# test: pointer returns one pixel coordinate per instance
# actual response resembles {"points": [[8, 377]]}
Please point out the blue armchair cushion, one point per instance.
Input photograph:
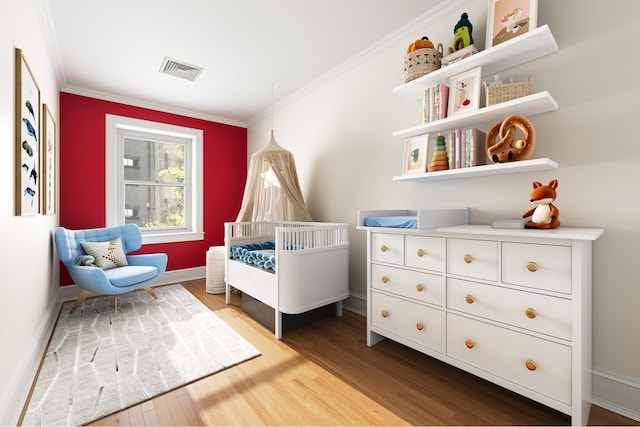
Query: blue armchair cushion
{"points": [[107, 254], [125, 276]]}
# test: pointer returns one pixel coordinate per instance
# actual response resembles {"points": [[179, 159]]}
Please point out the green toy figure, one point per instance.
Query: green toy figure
{"points": [[462, 34]]}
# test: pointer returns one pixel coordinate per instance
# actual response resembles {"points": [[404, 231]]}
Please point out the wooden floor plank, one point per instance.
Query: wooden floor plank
{"points": [[325, 374]]}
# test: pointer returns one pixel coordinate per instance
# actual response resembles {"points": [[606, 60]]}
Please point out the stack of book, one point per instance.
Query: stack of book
{"points": [[435, 103], [466, 148]]}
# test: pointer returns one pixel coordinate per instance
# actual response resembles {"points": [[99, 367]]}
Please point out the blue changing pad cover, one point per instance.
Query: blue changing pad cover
{"points": [[392, 221]]}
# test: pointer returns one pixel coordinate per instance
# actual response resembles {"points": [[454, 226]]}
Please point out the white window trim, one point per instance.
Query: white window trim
{"points": [[115, 181]]}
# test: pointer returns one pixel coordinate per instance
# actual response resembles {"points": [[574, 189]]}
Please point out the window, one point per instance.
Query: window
{"points": [[154, 179]]}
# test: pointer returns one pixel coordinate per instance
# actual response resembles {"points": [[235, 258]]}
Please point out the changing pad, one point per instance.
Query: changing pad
{"points": [[392, 221]]}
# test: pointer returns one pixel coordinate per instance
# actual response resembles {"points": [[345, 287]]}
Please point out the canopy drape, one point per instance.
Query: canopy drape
{"points": [[272, 191]]}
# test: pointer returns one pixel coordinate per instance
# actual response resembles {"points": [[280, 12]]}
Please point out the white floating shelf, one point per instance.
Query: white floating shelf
{"points": [[522, 49], [494, 169], [527, 106]]}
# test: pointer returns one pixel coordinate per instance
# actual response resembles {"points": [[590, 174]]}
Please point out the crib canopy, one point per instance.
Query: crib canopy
{"points": [[272, 191]]}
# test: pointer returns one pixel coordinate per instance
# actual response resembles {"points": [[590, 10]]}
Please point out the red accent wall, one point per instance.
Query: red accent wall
{"points": [[82, 173]]}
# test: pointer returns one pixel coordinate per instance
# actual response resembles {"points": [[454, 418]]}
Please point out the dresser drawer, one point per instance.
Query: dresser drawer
{"points": [[411, 284], [414, 322], [531, 362], [387, 248], [424, 252], [537, 266], [473, 258], [540, 313]]}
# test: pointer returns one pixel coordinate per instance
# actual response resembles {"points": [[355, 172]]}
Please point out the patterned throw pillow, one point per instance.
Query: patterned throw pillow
{"points": [[107, 254]]}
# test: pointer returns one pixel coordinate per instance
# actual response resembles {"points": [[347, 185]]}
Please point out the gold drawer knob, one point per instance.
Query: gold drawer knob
{"points": [[384, 279], [469, 343], [469, 299], [385, 313], [420, 253], [468, 258], [383, 248], [419, 287], [531, 313], [419, 326], [531, 365], [532, 266]]}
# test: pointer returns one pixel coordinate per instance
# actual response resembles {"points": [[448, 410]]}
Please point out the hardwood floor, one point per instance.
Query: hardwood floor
{"points": [[324, 374]]}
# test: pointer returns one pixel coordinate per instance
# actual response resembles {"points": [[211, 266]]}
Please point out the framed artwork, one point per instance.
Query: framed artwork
{"points": [[49, 162], [415, 155], [27, 191], [507, 19], [464, 91]]}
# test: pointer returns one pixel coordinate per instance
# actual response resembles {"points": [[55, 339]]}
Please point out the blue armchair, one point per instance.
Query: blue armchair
{"points": [[141, 271]]}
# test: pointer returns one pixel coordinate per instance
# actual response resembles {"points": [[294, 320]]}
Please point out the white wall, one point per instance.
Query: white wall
{"points": [[339, 131], [29, 289]]}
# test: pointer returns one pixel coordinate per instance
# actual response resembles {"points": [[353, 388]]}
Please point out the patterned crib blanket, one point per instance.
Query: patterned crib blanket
{"points": [[259, 254]]}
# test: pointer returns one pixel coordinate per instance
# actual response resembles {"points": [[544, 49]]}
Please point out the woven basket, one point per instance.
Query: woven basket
{"points": [[420, 62], [507, 92]]}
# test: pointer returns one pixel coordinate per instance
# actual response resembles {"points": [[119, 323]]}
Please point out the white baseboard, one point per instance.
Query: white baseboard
{"points": [[616, 394], [12, 403], [356, 303]]}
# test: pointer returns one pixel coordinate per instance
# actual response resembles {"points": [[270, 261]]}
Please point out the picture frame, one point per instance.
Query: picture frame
{"points": [[49, 162], [464, 91], [416, 152], [27, 128], [508, 19]]}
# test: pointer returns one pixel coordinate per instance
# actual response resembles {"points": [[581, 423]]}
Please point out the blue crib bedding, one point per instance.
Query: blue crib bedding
{"points": [[261, 255], [392, 221]]}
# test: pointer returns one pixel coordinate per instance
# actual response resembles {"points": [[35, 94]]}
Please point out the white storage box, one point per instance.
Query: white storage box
{"points": [[215, 270]]}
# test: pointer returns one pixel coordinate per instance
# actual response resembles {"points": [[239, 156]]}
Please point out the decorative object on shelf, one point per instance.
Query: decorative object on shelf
{"points": [[497, 93], [462, 36], [464, 91], [458, 55], [49, 162], [509, 149], [440, 160], [422, 58], [415, 155], [28, 112], [544, 215], [507, 19]]}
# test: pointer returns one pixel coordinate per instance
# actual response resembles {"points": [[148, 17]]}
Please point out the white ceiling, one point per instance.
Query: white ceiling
{"points": [[113, 49]]}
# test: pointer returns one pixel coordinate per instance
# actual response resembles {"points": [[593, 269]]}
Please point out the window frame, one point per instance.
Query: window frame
{"points": [[114, 177]]}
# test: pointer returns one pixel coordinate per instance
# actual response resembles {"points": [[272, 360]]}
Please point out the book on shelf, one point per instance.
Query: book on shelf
{"points": [[435, 102], [466, 148]]}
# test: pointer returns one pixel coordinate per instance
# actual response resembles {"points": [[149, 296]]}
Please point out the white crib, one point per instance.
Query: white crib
{"points": [[312, 266]]}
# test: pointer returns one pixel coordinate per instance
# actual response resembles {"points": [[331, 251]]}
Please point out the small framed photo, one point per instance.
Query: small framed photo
{"points": [[464, 91], [507, 19], [415, 155]]}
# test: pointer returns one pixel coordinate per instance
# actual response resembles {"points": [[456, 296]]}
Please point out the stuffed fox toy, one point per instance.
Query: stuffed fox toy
{"points": [[545, 214]]}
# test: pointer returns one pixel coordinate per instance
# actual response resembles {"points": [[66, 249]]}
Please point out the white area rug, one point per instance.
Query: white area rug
{"points": [[98, 363]]}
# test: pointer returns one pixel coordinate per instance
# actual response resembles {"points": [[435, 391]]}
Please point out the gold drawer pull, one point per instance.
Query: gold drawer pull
{"points": [[531, 365], [469, 299], [383, 248], [468, 258], [532, 266], [419, 326], [531, 313], [421, 253], [469, 343], [384, 279], [385, 313], [419, 287]]}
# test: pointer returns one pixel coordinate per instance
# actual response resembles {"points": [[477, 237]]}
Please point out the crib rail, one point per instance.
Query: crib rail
{"points": [[290, 235]]}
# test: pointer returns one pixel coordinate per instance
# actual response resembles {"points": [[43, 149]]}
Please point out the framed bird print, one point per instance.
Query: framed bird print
{"points": [[27, 191], [48, 162]]}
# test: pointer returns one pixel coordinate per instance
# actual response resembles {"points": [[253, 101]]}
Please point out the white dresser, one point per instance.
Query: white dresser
{"points": [[510, 306]]}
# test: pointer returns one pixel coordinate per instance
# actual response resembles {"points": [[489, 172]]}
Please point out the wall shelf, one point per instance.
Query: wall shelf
{"points": [[527, 47], [486, 170], [530, 105]]}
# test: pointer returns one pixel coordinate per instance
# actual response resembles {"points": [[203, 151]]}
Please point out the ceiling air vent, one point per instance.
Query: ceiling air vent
{"points": [[180, 69]]}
